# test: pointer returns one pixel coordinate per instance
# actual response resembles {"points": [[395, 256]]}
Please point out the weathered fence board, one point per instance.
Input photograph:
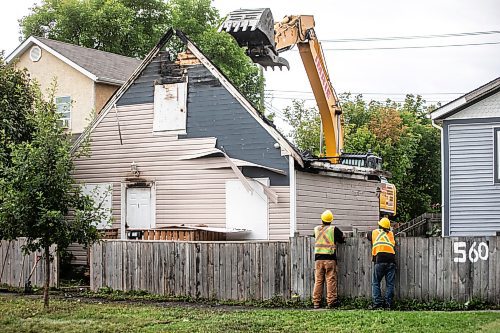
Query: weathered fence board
{"points": [[15, 266], [262, 270]]}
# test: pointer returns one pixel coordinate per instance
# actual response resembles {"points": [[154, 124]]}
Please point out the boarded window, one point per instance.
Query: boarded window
{"points": [[496, 162], [170, 108], [245, 210], [63, 108], [101, 193]]}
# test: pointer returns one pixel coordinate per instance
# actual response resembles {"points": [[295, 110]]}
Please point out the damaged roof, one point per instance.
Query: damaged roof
{"points": [[100, 66], [284, 143]]}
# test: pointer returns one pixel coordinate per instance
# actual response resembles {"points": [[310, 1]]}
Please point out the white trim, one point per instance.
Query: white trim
{"points": [[123, 209], [123, 205], [293, 196], [20, 49], [448, 108], [244, 102], [442, 176]]}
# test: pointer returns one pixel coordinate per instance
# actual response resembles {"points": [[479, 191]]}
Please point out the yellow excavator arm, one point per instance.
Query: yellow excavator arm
{"points": [[299, 30], [264, 40]]}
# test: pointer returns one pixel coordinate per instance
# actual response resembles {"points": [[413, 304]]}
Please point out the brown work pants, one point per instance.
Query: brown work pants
{"points": [[328, 269]]}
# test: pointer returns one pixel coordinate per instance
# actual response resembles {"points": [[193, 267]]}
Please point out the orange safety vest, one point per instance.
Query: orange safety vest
{"points": [[382, 242], [325, 239]]}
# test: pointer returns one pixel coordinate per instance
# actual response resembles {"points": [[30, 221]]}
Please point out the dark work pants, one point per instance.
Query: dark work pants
{"points": [[381, 270]]}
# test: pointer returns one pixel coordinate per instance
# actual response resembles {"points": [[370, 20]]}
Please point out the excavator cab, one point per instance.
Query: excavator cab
{"points": [[254, 30]]}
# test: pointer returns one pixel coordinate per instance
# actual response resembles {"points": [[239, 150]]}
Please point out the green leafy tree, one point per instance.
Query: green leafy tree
{"points": [[133, 27], [400, 133], [306, 126], [39, 198]]}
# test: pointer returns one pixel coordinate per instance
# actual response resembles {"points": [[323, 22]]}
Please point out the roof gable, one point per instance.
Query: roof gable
{"points": [[98, 65], [285, 145], [466, 100]]}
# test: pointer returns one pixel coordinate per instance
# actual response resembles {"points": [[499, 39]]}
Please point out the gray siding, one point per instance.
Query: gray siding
{"points": [[214, 112], [472, 199], [354, 203]]}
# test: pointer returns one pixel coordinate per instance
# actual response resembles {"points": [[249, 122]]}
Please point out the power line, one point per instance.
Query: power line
{"points": [[367, 93], [410, 47], [373, 39]]}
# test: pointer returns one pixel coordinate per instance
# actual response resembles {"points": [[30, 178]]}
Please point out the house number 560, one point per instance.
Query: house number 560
{"points": [[475, 252]]}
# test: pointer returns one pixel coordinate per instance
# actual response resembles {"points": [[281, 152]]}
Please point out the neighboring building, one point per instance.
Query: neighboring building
{"points": [[179, 145], [470, 158], [86, 78]]}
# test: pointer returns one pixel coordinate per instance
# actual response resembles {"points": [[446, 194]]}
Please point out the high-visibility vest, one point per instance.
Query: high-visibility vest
{"points": [[382, 242], [325, 239]]}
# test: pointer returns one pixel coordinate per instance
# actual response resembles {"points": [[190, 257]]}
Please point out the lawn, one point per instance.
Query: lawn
{"points": [[21, 314]]}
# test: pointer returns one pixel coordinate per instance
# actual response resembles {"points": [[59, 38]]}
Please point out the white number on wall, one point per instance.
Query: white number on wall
{"points": [[476, 253]]}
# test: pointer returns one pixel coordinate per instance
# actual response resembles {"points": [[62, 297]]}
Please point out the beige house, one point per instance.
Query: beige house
{"points": [[178, 145], [86, 78]]}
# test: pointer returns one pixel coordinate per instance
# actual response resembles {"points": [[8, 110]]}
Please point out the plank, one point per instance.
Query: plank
{"points": [[497, 269], [246, 271], [240, 271], [217, 275], [299, 272], [226, 271], [419, 258], [432, 275], [447, 266], [439, 268], [258, 272], [484, 266], [271, 265], [266, 293]]}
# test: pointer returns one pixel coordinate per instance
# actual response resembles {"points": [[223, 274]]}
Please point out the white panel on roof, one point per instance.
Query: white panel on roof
{"points": [[170, 108]]}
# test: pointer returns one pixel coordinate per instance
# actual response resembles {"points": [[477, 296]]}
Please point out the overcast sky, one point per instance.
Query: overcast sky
{"points": [[378, 74]]}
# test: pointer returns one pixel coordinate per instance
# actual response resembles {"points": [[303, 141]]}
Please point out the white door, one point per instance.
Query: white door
{"points": [[139, 207], [245, 210]]}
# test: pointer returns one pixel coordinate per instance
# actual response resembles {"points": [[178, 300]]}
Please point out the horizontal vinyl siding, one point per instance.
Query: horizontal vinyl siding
{"points": [[354, 203], [474, 199], [188, 191], [279, 214]]}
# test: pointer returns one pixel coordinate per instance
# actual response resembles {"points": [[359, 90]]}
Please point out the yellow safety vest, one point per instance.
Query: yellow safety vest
{"points": [[325, 239], [382, 242]]}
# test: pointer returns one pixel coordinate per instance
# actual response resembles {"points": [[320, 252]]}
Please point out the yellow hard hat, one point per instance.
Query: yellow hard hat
{"points": [[384, 223], [327, 216]]}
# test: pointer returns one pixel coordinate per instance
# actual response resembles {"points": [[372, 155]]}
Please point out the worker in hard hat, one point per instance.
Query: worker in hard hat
{"points": [[384, 258], [325, 256]]}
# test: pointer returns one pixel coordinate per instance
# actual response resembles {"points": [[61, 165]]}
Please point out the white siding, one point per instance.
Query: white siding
{"points": [[354, 203], [187, 191], [486, 108], [474, 199]]}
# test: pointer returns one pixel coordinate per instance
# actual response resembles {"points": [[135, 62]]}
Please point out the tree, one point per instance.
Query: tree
{"points": [[39, 198], [400, 133], [306, 126], [133, 27]]}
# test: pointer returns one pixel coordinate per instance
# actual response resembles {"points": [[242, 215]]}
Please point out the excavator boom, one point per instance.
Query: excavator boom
{"points": [[263, 39]]}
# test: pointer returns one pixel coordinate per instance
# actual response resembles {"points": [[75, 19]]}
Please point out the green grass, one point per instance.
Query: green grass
{"points": [[22, 314]]}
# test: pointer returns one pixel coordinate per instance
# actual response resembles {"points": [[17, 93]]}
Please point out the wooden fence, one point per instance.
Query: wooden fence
{"points": [[15, 266], [428, 268]]}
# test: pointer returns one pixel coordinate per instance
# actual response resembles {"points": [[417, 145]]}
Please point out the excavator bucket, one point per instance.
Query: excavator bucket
{"points": [[254, 29]]}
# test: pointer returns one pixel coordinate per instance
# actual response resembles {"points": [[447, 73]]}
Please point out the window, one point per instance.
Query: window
{"points": [[170, 108], [101, 194], [496, 162], [63, 107]]}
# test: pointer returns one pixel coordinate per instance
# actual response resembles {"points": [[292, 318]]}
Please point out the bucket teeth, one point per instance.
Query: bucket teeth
{"points": [[254, 29]]}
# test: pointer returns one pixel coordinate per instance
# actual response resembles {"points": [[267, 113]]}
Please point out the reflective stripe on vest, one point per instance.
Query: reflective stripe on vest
{"points": [[382, 242], [325, 240]]}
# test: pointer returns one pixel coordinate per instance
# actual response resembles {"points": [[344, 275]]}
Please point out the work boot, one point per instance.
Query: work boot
{"points": [[333, 305], [375, 307]]}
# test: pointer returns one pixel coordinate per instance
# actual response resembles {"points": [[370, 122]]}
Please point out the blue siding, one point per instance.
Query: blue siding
{"points": [[214, 112]]}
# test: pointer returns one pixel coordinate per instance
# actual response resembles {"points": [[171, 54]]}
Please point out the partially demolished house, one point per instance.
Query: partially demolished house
{"points": [[179, 147]]}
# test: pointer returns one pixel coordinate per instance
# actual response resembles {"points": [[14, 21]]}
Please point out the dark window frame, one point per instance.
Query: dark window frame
{"points": [[496, 154]]}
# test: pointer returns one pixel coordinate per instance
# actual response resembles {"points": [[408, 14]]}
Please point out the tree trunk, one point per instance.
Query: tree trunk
{"points": [[47, 278]]}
